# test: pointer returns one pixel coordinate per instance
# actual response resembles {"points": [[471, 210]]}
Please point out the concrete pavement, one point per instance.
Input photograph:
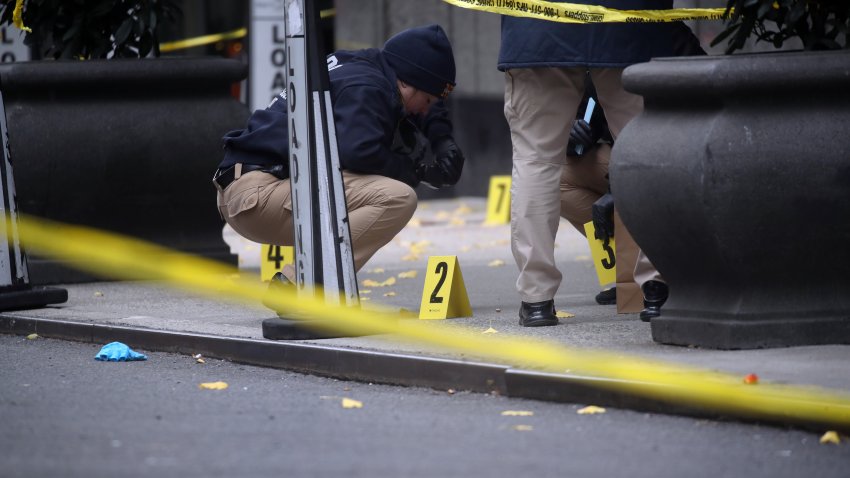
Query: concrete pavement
{"points": [[150, 316]]}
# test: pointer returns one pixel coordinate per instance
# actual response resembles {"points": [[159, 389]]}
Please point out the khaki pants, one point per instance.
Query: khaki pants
{"points": [[583, 181], [645, 271], [540, 107], [259, 207]]}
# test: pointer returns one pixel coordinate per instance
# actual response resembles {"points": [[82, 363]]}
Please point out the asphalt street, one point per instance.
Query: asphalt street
{"points": [[65, 414]]}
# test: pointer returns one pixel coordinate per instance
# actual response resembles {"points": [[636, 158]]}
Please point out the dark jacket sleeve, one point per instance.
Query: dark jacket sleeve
{"points": [[365, 123], [436, 123], [264, 141]]}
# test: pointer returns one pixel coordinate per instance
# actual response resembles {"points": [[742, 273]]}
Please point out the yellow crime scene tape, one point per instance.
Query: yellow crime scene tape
{"points": [[167, 47], [122, 257], [580, 13], [202, 40]]}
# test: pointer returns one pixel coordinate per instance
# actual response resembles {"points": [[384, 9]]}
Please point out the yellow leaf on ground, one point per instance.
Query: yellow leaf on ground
{"points": [[351, 403], [442, 215], [462, 209], [564, 315], [456, 221], [523, 428], [410, 258], [414, 222], [98, 294], [377, 270], [213, 386], [364, 299], [389, 294], [374, 283], [496, 263], [830, 437], [490, 330], [408, 274], [517, 413], [365, 291], [32, 336], [591, 410]]}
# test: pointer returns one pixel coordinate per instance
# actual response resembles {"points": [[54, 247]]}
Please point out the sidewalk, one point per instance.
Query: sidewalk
{"points": [[149, 316]]}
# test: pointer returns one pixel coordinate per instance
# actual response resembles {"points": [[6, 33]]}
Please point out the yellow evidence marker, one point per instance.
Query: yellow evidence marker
{"points": [[603, 256], [444, 295], [273, 258], [499, 200]]}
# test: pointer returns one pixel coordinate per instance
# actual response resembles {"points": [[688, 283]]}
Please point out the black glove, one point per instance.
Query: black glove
{"points": [[447, 166], [582, 134], [603, 217]]}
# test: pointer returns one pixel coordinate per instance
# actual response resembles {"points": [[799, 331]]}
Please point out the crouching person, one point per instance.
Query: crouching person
{"points": [[388, 111]]}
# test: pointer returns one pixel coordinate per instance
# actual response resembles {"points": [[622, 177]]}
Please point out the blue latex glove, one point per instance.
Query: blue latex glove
{"points": [[118, 352]]}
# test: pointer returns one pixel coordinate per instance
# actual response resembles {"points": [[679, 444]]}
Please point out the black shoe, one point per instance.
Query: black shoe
{"points": [[654, 296], [607, 296], [277, 283], [537, 314]]}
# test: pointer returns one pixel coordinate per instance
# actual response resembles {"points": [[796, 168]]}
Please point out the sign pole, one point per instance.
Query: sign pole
{"points": [[323, 253], [15, 289]]}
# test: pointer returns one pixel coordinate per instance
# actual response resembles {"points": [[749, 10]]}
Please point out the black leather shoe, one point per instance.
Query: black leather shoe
{"points": [[607, 296], [537, 314], [277, 283], [654, 296]]}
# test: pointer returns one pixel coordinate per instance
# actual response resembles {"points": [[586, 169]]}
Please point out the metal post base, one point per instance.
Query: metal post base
{"points": [[31, 298]]}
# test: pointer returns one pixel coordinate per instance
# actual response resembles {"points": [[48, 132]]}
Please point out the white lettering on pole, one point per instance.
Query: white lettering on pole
{"points": [[267, 76]]}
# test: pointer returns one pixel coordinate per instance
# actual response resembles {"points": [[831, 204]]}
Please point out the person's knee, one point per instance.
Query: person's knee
{"points": [[402, 200]]}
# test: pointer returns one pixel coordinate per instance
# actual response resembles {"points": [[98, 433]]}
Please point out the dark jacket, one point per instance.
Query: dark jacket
{"points": [[531, 43], [367, 111]]}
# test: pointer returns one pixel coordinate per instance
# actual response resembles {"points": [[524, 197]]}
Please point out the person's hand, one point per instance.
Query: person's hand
{"points": [[603, 217], [582, 134], [447, 166], [410, 142]]}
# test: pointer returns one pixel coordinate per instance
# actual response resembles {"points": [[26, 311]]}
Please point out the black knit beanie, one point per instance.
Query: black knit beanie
{"points": [[423, 58]]}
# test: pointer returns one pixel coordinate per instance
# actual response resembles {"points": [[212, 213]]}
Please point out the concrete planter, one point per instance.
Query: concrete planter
{"points": [[736, 183], [123, 145]]}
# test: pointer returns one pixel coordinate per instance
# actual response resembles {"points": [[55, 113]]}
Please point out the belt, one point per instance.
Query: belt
{"points": [[223, 177]]}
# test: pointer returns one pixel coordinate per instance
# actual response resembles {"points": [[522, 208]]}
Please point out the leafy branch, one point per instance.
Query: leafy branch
{"points": [[91, 28]]}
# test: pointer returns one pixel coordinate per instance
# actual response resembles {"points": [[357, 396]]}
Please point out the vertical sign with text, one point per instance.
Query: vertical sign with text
{"points": [[12, 46], [267, 52]]}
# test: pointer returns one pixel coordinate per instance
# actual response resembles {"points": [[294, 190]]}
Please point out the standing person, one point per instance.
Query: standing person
{"points": [[652, 285], [584, 179], [544, 64], [388, 109]]}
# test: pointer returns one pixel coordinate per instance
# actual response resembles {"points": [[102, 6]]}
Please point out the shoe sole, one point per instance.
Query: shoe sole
{"points": [[538, 323], [606, 302], [648, 317]]}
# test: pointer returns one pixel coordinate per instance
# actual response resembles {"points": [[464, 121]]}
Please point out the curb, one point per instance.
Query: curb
{"points": [[383, 368]]}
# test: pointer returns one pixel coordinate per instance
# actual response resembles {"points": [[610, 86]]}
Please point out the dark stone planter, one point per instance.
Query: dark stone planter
{"points": [[123, 145], [736, 183]]}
